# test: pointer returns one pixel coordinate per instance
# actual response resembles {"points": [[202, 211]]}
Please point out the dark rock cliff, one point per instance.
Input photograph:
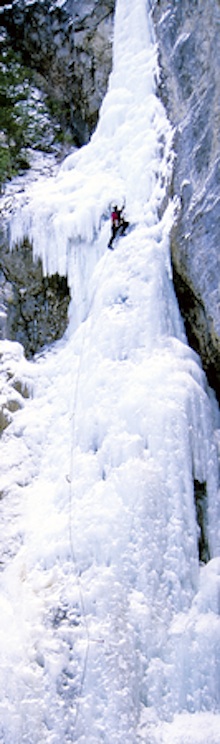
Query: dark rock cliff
{"points": [[33, 308], [69, 47], [188, 33]]}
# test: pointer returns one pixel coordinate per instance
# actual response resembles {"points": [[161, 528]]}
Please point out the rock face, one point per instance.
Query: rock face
{"points": [[188, 34], [33, 309], [69, 45]]}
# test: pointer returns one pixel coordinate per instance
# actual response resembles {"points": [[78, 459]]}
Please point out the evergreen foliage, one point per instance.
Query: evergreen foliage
{"points": [[24, 119], [14, 91]]}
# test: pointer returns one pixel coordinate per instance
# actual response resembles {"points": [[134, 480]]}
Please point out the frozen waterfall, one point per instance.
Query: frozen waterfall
{"points": [[109, 624]]}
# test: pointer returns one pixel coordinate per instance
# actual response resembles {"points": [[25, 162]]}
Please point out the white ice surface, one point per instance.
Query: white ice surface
{"points": [[109, 627]]}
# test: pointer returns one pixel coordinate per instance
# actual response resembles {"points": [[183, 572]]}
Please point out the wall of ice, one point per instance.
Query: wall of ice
{"points": [[117, 634]]}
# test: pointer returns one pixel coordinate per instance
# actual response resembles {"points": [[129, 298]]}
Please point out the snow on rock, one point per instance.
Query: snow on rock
{"points": [[112, 626]]}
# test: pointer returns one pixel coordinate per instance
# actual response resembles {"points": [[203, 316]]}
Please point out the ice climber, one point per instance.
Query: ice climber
{"points": [[118, 223]]}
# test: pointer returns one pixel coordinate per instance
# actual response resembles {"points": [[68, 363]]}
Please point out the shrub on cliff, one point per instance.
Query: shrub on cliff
{"points": [[24, 119]]}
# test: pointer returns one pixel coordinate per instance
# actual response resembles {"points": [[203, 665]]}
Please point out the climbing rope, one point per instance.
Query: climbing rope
{"points": [[69, 478], [75, 389]]}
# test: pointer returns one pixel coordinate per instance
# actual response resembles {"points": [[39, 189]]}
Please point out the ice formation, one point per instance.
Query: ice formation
{"points": [[109, 624]]}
